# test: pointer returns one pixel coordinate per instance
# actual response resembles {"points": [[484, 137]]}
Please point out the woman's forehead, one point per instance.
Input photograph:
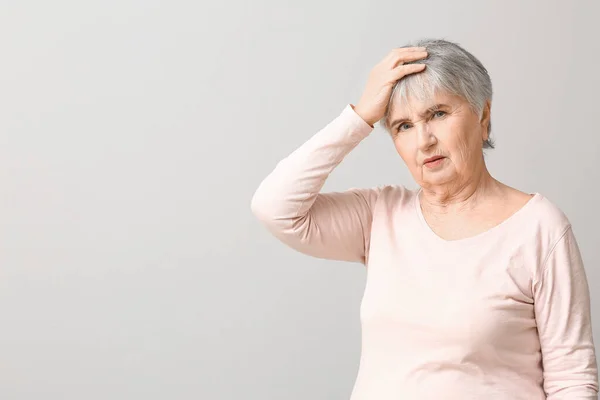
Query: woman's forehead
{"points": [[411, 105]]}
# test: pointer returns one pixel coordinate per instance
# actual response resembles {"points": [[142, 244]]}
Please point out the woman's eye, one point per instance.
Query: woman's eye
{"points": [[400, 127], [438, 114]]}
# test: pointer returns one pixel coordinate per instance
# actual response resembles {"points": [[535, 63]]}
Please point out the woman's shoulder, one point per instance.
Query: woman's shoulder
{"points": [[545, 218], [389, 191], [396, 192], [547, 209], [533, 209], [395, 197]]}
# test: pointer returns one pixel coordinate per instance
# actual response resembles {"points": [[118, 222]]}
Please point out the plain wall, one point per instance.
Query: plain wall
{"points": [[134, 133]]}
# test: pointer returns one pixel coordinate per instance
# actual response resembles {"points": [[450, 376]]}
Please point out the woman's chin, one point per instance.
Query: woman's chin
{"points": [[438, 177]]}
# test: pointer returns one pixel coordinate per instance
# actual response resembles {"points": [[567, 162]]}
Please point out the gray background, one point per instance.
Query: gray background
{"points": [[134, 133]]}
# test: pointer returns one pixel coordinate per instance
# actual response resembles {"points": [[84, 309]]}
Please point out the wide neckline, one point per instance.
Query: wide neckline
{"points": [[472, 239]]}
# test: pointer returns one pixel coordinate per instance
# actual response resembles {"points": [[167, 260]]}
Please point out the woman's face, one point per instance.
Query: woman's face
{"points": [[443, 126]]}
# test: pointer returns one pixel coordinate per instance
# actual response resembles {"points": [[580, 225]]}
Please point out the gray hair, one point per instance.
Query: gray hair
{"points": [[450, 68]]}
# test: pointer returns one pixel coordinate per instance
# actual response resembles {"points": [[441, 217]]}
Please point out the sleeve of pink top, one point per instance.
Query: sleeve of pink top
{"points": [[563, 316], [334, 225]]}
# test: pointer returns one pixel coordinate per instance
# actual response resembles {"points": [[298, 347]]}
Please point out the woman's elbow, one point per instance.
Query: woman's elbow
{"points": [[271, 212], [258, 206]]}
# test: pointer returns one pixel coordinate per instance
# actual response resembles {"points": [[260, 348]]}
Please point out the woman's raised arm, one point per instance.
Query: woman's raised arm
{"points": [[288, 201]]}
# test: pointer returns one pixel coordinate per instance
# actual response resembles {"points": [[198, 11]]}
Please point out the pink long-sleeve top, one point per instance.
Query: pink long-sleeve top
{"points": [[501, 315]]}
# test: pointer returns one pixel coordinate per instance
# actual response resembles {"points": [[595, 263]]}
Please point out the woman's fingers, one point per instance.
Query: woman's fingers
{"points": [[394, 53], [402, 70], [373, 102], [407, 56]]}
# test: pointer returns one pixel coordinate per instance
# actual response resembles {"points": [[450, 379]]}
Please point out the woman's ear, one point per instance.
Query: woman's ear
{"points": [[485, 118]]}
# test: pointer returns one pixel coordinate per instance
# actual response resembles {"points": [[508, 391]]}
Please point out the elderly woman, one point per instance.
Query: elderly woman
{"points": [[475, 290]]}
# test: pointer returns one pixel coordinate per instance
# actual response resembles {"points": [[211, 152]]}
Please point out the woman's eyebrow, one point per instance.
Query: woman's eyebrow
{"points": [[431, 109]]}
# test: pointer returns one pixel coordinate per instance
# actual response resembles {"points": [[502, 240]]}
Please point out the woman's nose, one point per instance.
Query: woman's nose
{"points": [[425, 136]]}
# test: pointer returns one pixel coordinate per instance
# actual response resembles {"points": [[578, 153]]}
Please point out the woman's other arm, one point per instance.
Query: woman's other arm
{"points": [[563, 315]]}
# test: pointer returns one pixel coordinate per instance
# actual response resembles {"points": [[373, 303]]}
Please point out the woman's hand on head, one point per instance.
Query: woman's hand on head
{"points": [[376, 95]]}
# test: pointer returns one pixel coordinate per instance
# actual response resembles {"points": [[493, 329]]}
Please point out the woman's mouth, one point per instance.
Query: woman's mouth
{"points": [[434, 161]]}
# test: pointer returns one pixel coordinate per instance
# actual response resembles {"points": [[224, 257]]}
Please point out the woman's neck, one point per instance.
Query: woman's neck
{"points": [[460, 197]]}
